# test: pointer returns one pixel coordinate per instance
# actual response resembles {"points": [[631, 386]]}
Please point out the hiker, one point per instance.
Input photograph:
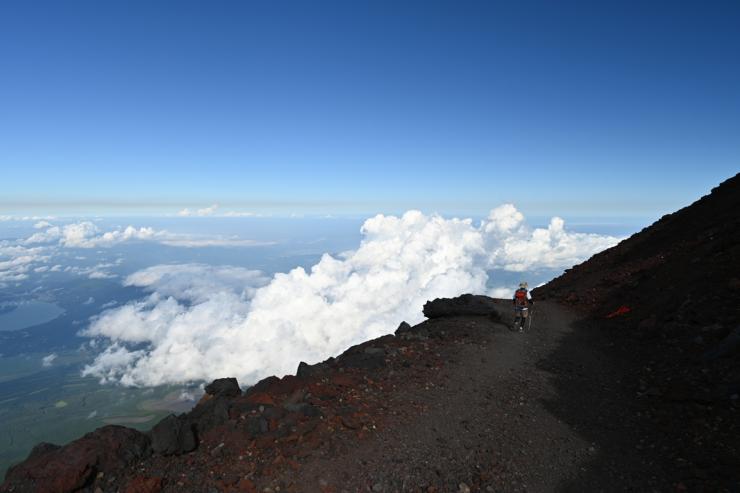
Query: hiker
{"points": [[522, 301]]}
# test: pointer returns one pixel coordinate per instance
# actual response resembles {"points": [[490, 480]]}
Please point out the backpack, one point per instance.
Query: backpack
{"points": [[520, 297]]}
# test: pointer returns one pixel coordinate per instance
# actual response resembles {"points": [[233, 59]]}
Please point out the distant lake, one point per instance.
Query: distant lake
{"points": [[27, 314]]}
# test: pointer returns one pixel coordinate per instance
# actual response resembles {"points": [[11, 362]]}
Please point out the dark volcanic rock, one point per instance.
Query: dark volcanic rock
{"points": [[306, 371], [209, 414], [726, 346], [467, 304], [173, 435], [54, 469], [176, 435], [363, 356], [227, 387], [263, 384], [367, 361], [403, 328]]}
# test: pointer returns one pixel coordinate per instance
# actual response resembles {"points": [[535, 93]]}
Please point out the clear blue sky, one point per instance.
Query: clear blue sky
{"points": [[590, 108]]}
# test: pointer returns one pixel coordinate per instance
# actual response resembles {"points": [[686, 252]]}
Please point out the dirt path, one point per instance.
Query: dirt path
{"points": [[495, 419]]}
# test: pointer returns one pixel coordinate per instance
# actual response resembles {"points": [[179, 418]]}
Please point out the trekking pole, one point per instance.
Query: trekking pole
{"points": [[529, 322]]}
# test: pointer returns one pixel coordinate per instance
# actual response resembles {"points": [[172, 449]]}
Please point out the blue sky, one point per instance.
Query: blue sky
{"points": [[572, 108]]}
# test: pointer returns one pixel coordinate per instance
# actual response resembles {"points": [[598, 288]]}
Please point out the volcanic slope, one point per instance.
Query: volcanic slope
{"points": [[667, 303]]}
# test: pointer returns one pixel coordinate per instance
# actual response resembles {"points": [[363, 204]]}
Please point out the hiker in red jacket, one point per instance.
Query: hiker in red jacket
{"points": [[522, 301]]}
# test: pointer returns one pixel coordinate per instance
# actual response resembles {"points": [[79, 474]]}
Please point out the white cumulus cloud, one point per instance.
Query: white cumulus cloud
{"points": [[202, 322], [515, 247], [86, 234], [16, 261]]}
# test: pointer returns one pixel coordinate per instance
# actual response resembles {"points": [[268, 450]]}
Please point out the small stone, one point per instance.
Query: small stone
{"points": [[217, 450], [246, 486], [377, 487], [351, 423], [463, 488]]}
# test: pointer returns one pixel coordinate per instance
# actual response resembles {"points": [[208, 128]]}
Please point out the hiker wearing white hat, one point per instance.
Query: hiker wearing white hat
{"points": [[522, 301]]}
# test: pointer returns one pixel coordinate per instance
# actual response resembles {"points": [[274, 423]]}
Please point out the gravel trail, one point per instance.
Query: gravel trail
{"points": [[493, 419]]}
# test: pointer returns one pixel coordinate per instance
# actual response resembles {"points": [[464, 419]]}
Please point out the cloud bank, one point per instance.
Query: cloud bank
{"points": [[86, 234], [206, 211], [20, 257], [201, 322], [212, 211], [16, 261], [25, 218]]}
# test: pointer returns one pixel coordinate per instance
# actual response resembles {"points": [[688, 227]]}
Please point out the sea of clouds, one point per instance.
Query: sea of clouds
{"points": [[20, 258], [201, 322]]}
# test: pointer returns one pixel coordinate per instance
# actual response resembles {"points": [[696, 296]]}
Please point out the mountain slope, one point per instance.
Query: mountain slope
{"points": [[667, 303], [684, 270]]}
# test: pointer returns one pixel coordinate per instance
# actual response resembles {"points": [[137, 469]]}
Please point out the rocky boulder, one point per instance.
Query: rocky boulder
{"points": [[176, 435], [465, 305], [307, 371], [53, 469], [367, 356], [173, 435], [227, 387]]}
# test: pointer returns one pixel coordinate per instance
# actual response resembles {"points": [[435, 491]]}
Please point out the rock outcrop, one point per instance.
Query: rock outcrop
{"points": [[465, 305], [53, 469]]}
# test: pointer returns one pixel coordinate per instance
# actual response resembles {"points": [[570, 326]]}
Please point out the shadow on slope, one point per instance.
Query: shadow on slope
{"points": [[651, 373]]}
